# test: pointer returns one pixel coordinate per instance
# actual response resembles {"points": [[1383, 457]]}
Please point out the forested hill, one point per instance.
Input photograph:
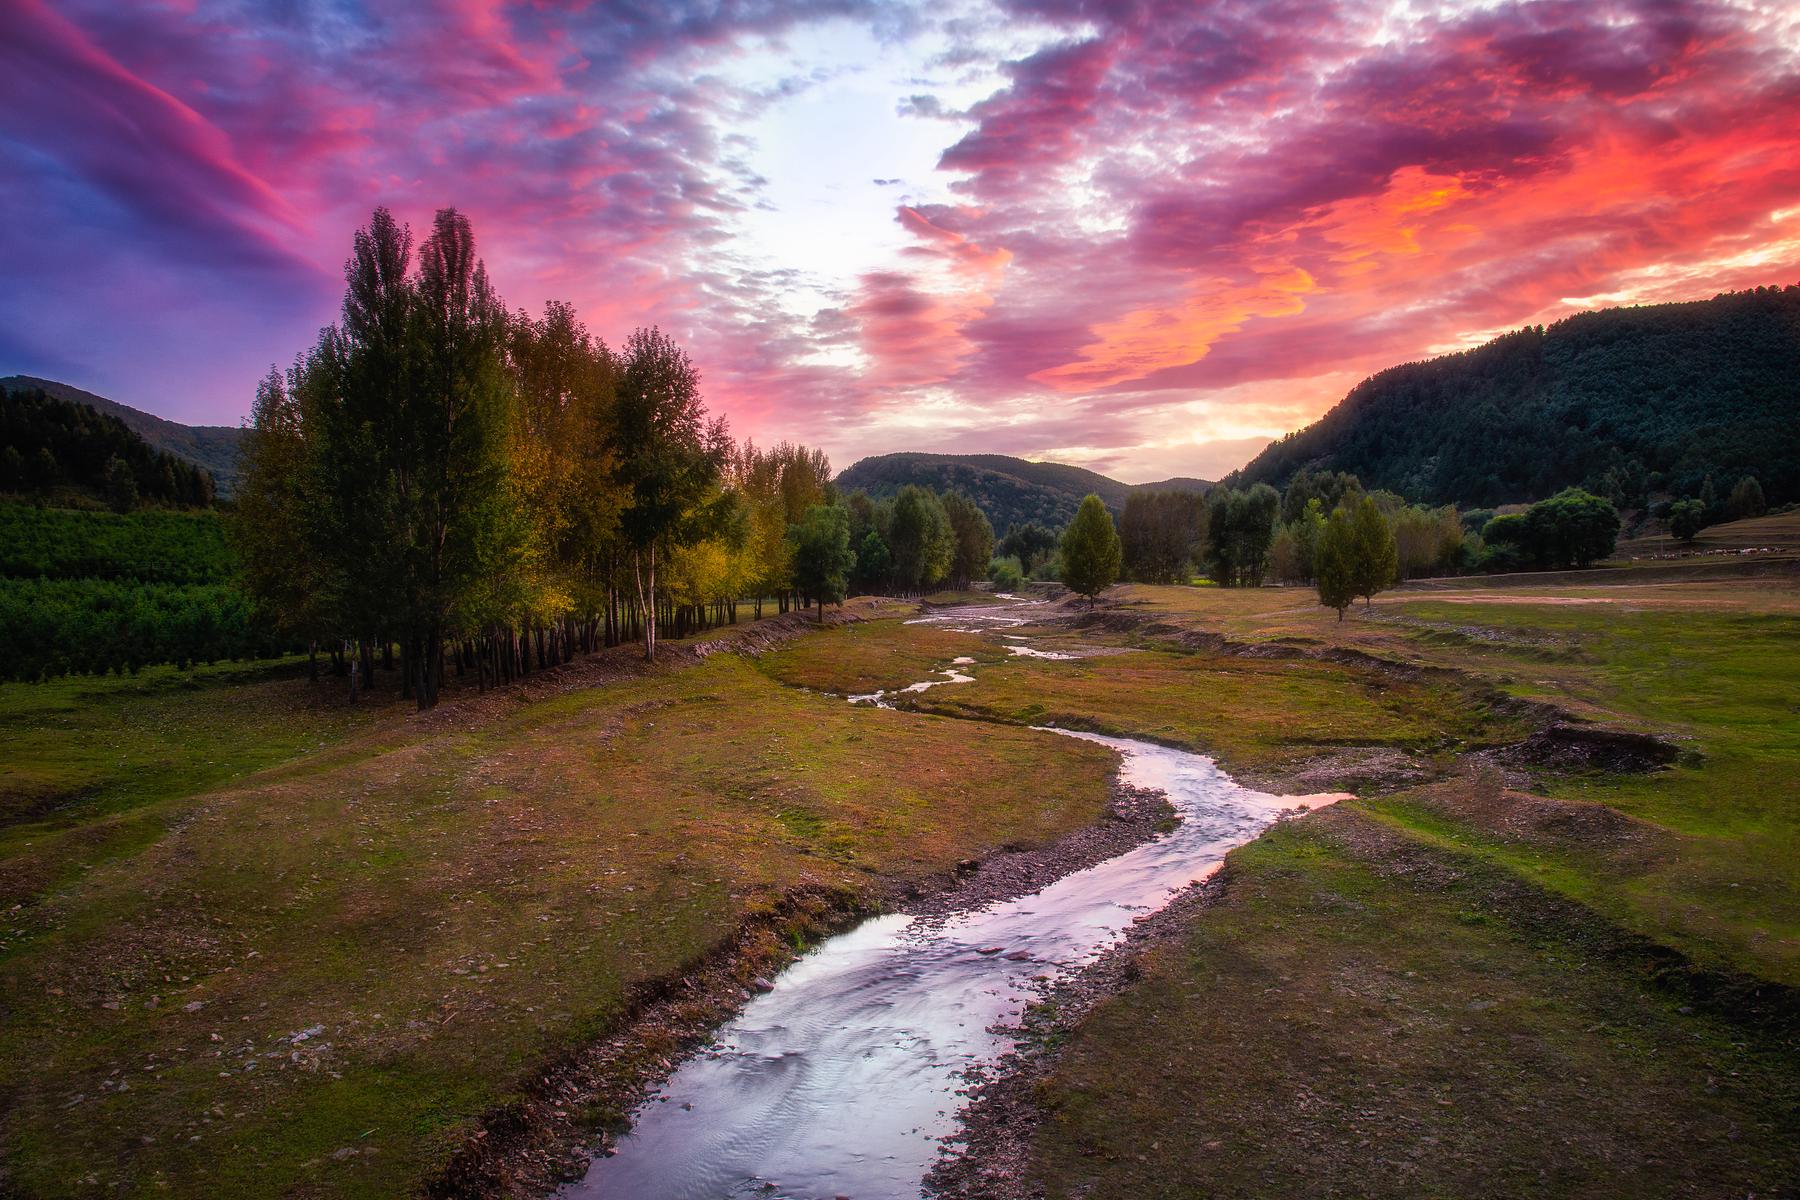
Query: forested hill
{"points": [[54, 448], [1009, 490], [214, 447], [1621, 401]]}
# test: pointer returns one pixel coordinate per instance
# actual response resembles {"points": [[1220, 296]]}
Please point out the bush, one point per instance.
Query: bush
{"points": [[1006, 574]]}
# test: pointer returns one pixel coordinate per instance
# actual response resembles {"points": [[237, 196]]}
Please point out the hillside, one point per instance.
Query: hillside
{"points": [[1622, 401], [65, 451], [1009, 490], [214, 447]]}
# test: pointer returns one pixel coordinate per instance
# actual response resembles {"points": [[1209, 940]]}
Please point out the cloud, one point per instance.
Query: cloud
{"points": [[1134, 230]]}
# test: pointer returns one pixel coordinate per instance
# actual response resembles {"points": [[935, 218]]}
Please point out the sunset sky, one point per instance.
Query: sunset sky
{"points": [[1140, 236]]}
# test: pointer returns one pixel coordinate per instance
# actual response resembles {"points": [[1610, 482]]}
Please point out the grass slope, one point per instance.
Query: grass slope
{"points": [[313, 979], [1493, 984]]}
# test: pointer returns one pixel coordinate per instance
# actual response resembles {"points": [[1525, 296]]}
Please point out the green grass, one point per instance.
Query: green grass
{"points": [[94, 765], [1257, 715], [1725, 885], [452, 901], [870, 656], [1357, 1017]]}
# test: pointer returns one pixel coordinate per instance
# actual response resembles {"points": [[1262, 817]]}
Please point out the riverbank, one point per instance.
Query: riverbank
{"points": [[1515, 973], [319, 976], [536, 1143]]}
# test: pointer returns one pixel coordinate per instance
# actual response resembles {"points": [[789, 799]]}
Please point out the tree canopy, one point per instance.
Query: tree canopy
{"points": [[1090, 550], [1617, 402]]}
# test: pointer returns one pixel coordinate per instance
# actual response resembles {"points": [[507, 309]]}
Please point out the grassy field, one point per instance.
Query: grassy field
{"points": [[257, 942], [1358, 1016], [311, 978], [1473, 985]]}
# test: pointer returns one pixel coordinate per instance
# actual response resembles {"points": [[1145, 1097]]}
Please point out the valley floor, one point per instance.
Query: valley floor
{"points": [[255, 942]]}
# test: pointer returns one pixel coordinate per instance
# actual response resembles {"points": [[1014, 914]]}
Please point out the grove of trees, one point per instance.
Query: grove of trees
{"points": [[1162, 534], [492, 492]]}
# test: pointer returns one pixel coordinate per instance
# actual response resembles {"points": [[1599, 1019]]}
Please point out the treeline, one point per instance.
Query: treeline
{"points": [[491, 493], [1627, 404], [1324, 530], [917, 540], [48, 444]]}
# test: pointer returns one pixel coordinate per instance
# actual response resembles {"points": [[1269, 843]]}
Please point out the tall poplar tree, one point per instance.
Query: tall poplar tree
{"points": [[670, 458]]}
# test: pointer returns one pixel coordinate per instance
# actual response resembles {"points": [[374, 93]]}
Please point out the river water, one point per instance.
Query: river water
{"points": [[844, 1079]]}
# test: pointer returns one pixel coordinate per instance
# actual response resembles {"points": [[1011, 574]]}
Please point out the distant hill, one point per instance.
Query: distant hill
{"points": [[1009, 490], [1622, 401], [214, 447], [66, 452]]}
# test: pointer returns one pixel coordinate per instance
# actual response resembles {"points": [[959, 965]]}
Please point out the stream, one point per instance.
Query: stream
{"points": [[843, 1080]]}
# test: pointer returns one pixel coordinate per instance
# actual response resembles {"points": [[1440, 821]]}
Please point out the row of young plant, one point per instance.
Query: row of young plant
{"points": [[54, 627], [90, 592]]}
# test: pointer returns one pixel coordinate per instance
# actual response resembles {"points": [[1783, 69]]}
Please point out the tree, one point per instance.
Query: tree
{"points": [[974, 539], [1373, 555], [1686, 519], [460, 535], [1570, 529], [1159, 534], [874, 566], [1005, 574], [1335, 562], [1746, 499], [1240, 528], [1090, 550], [1030, 543], [268, 523], [920, 539], [1326, 488], [45, 470], [121, 485], [822, 557], [1429, 540], [669, 457]]}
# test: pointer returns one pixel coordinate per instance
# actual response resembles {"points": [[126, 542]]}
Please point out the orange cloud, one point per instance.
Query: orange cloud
{"points": [[1147, 340]]}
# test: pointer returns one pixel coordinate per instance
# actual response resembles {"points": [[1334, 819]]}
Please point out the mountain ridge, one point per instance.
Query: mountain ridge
{"points": [[215, 447], [1010, 490], [1627, 402]]}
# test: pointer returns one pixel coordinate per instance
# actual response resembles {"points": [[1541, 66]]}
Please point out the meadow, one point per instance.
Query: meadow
{"points": [[258, 941]]}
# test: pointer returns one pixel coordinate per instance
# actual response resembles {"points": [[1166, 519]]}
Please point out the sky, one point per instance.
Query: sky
{"points": [[1144, 236]]}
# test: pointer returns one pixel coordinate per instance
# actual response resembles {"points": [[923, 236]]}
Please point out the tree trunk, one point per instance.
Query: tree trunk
{"points": [[645, 574]]}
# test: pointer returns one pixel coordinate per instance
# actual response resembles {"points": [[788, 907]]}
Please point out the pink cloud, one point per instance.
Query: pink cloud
{"points": [[1167, 215]]}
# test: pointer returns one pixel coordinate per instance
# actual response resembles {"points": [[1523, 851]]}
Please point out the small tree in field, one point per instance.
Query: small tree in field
{"points": [[1375, 555], [1090, 550], [1334, 562], [822, 555]]}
